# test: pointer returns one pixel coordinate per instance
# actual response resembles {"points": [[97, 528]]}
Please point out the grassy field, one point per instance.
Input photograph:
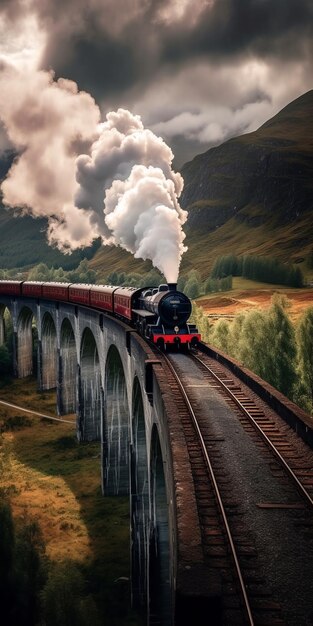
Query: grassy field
{"points": [[248, 294], [52, 479]]}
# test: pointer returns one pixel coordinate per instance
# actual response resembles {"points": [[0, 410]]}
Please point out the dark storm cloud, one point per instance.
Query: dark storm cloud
{"points": [[105, 59], [98, 65], [108, 46], [262, 27], [197, 71]]}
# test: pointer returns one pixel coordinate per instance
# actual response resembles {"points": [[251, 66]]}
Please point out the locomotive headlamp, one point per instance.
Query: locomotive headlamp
{"points": [[176, 328]]}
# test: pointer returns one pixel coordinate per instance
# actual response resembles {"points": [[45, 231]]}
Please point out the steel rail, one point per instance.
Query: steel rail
{"points": [[217, 493], [281, 459]]}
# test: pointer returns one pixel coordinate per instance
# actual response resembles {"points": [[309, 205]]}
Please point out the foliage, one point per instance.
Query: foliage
{"points": [[30, 573], [82, 274], [265, 269], [227, 265], [266, 343], [213, 285], [304, 334], [236, 334], [192, 288], [191, 283], [133, 279], [281, 347], [22, 569], [15, 422], [64, 601], [181, 283], [251, 348], [220, 336], [200, 319]]}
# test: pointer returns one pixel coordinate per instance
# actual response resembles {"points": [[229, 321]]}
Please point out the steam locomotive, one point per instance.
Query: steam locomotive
{"points": [[159, 314]]}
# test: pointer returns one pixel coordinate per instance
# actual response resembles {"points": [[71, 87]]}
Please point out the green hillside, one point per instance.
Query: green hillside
{"points": [[23, 243]]}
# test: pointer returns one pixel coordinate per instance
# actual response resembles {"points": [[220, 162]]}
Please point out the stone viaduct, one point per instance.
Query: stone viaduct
{"points": [[105, 373]]}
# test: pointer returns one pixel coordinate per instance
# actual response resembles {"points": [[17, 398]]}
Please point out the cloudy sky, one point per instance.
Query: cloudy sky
{"points": [[197, 71]]}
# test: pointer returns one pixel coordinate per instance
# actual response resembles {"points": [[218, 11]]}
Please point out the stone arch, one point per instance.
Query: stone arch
{"points": [[115, 455], [48, 353], [6, 324], [66, 390], [7, 340], [89, 390], [27, 338], [160, 592], [139, 485]]}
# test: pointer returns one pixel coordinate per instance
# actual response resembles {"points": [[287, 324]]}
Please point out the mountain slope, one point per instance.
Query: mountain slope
{"points": [[254, 193]]}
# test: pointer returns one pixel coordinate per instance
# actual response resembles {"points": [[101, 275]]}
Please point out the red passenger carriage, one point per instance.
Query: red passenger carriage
{"points": [[79, 293], [124, 301], [32, 288], [10, 287], [55, 291], [101, 297]]}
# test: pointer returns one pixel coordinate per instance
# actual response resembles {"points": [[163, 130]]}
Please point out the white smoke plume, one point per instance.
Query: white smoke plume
{"points": [[112, 180], [50, 123]]}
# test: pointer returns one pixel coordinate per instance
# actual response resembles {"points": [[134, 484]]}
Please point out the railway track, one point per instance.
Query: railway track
{"points": [[245, 489], [251, 414]]}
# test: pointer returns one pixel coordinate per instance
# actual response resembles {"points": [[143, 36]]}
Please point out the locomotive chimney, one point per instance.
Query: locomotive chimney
{"points": [[172, 286]]}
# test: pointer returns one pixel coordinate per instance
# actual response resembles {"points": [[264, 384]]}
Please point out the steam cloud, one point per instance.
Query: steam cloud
{"points": [[111, 180]]}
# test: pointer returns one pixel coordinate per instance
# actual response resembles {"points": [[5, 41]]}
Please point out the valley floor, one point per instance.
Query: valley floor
{"points": [[247, 294]]}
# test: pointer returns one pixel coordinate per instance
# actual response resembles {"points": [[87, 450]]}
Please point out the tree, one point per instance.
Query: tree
{"points": [[304, 335], [235, 335], [252, 346], [202, 322], [281, 348], [181, 283], [62, 597], [192, 288], [40, 272], [220, 335], [83, 274]]}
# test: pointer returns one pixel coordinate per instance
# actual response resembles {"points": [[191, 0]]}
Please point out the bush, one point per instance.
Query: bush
{"points": [[16, 422], [64, 602]]}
